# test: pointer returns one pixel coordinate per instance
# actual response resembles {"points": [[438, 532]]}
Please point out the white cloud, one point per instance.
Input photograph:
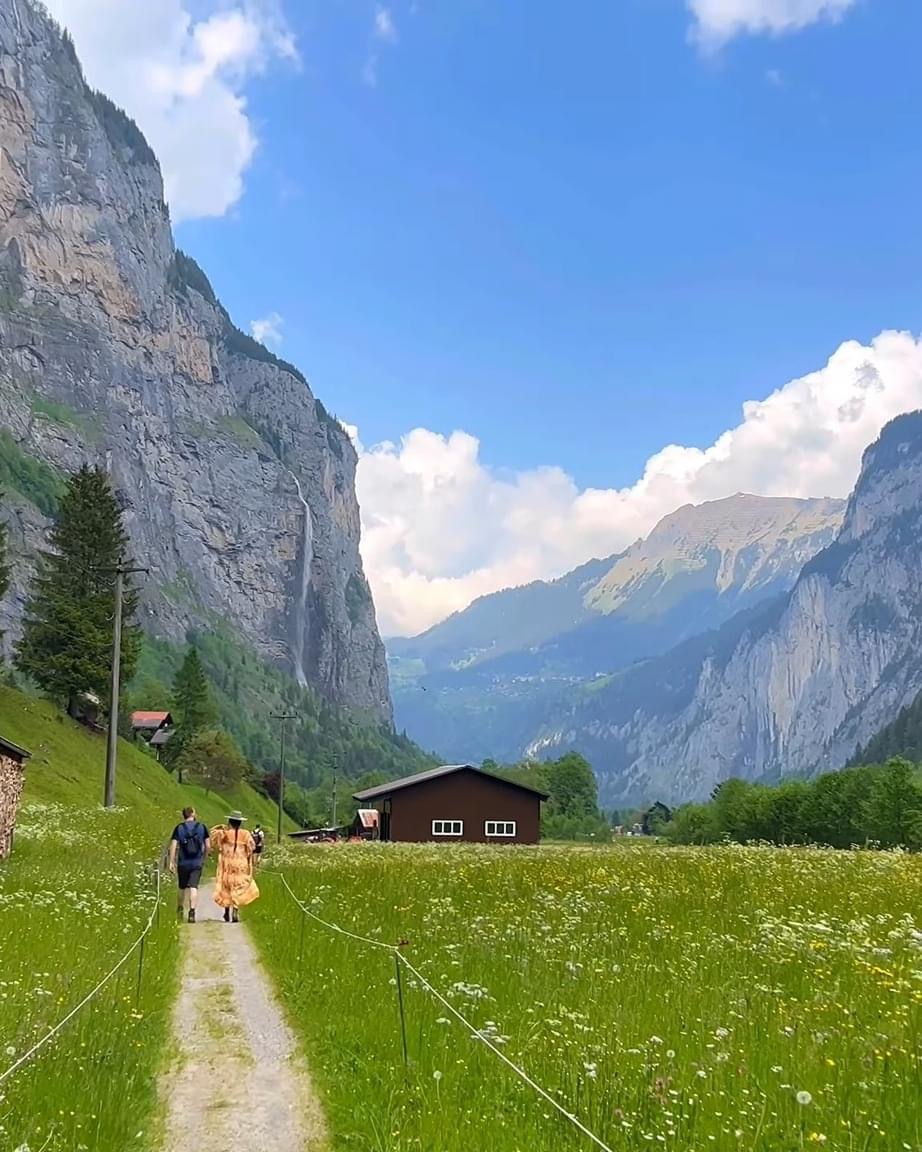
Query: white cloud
{"points": [[440, 528], [717, 21], [184, 80], [384, 32], [268, 331], [385, 28]]}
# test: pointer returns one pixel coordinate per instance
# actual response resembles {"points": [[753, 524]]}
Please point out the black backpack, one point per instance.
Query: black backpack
{"points": [[192, 844]]}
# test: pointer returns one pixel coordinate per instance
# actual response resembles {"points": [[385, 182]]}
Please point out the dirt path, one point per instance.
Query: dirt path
{"points": [[237, 1079]]}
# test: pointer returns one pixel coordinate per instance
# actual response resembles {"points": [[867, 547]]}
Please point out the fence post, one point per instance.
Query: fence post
{"points": [[403, 1019], [137, 994], [301, 941]]}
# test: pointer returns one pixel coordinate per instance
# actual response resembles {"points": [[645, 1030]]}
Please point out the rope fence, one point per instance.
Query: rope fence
{"points": [[476, 1032], [62, 1024]]}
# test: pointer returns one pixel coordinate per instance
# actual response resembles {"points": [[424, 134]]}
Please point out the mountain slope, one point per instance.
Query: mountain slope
{"points": [[793, 688], [68, 761], [474, 685], [238, 487]]}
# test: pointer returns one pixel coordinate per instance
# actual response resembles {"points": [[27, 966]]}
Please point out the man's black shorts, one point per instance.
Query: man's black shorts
{"points": [[188, 877]]}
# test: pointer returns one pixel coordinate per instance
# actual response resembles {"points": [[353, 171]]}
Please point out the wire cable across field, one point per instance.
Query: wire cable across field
{"points": [[476, 1032], [62, 1024]]}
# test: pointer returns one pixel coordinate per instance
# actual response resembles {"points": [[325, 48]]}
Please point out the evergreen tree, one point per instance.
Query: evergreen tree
{"points": [[4, 554], [66, 646], [192, 705], [193, 709]]}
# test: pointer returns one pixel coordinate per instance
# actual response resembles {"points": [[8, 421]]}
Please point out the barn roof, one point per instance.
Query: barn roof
{"points": [[368, 817], [13, 750], [435, 774], [161, 736], [149, 719]]}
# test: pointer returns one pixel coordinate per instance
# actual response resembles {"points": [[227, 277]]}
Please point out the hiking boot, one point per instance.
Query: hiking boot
{"points": [[191, 915], [227, 915], [235, 916], [180, 914]]}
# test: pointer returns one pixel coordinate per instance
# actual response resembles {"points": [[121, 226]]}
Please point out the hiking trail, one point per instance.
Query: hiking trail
{"points": [[236, 1077]]}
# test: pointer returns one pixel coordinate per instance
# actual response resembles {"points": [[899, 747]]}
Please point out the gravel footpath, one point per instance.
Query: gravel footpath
{"points": [[237, 1078]]}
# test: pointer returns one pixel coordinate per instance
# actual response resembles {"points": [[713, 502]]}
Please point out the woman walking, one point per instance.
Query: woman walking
{"points": [[234, 883]]}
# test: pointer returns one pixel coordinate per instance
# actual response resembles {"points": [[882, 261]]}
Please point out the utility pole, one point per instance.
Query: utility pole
{"points": [[334, 797], [284, 717], [120, 572]]}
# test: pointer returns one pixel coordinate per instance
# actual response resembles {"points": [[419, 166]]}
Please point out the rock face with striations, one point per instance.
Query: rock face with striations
{"points": [[238, 487], [791, 687]]}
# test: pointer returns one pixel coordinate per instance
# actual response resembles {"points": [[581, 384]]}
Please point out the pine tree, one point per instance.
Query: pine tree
{"points": [[66, 646], [192, 707], [4, 554]]}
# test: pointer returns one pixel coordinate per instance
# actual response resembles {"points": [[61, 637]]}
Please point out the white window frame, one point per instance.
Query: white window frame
{"points": [[495, 825], [457, 827]]}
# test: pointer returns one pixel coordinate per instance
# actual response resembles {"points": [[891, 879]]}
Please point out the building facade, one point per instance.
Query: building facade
{"points": [[457, 803], [12, 777]]}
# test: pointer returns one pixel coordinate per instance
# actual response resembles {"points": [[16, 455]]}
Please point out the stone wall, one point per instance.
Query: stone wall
{"points": [[12, 775]]}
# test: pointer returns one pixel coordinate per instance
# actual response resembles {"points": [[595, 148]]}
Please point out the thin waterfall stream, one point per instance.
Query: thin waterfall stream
{"points": [[301, 609]]}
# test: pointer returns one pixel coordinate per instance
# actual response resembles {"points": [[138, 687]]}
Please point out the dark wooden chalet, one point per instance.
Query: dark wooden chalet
{"points": [[456, 803]]}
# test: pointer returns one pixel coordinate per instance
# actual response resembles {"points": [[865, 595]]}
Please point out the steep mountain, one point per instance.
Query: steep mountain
{"points": [[792, 687], [475, 684], [238, 487]]}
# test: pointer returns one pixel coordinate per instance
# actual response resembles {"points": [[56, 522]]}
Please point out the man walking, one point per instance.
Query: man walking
{"points": [[189, 848]]}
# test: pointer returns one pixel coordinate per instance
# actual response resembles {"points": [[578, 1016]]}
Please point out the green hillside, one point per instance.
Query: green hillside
{"points": [[68, 764]]}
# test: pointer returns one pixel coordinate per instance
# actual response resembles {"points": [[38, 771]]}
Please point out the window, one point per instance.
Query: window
{"points": [[447, 827], [500, 828]]}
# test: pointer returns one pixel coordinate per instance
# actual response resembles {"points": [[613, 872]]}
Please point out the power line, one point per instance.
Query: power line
{"points": [[283, 717]]}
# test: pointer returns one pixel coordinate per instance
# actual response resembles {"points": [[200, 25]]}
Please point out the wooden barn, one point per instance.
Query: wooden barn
{"points": [[456, 803], [12, 776], [147, 725]]}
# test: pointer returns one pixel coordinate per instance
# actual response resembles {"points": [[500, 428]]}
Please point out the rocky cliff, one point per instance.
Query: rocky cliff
{"points": [[238, 487], [792, 687], [493, 673]]}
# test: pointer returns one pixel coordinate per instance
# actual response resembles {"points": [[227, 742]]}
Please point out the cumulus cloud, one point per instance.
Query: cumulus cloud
{"points": [[183, 79], [717, 21], [268, 331], [384, 31], [441, 528], [385, 28]]}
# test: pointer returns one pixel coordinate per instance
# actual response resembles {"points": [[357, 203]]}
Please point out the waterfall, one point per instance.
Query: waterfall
{"points": [[301, 610]]}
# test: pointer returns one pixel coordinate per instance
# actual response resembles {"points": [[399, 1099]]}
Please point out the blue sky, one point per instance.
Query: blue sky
{"points": [[578, 238], [541, 255]]}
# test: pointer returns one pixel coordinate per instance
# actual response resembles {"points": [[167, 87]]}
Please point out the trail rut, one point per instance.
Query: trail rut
{"points": [[236, 1073]]}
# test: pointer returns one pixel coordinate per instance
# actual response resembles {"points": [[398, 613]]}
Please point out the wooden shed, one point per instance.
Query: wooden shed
{"points": [[456, 803], [148, 724], [12, 777]]}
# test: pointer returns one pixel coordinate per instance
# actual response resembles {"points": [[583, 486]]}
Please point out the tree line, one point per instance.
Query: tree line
{"points": [[66, 644], [878, 804]]}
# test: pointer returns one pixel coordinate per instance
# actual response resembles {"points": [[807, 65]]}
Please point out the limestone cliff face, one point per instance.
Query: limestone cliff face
{"points": [[238, 487], [791, 687]]}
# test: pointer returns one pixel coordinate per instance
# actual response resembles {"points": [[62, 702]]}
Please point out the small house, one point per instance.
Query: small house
{"points": [[456, 803], [147, 725], [12, 777], [365, 825]]}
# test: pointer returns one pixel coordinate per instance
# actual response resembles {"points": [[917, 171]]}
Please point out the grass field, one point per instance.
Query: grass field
{"points": [[76, 893], [73, 897], [723, 998]]}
